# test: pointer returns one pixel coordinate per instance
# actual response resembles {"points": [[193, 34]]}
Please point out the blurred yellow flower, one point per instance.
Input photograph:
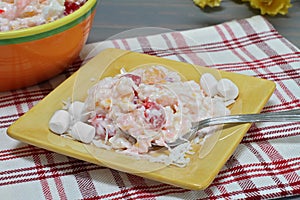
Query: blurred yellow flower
{"points": [[210, 3], [270, 7]]}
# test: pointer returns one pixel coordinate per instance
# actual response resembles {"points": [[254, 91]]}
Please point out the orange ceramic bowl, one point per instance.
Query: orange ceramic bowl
{"points": [[29, 56]]}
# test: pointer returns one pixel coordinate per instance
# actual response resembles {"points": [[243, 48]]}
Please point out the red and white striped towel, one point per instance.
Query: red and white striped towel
{"points": [[265, 165]]}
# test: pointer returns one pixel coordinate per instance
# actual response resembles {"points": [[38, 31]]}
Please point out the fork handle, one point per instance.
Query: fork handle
{"points": [[282, 116]]}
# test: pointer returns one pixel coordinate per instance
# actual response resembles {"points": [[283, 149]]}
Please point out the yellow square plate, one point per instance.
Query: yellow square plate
{"points": [[32, 127]]}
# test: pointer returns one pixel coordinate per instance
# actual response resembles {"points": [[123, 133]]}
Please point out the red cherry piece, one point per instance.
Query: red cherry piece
{"points": [[154, 114], [136, 79], [71, 7]]}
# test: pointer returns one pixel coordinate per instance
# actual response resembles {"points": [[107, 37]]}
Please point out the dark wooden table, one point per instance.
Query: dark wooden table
{"points": [[115, 16]]}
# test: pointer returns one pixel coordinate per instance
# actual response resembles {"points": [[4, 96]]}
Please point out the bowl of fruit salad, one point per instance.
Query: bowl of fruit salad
{"points": [[41, 38]]}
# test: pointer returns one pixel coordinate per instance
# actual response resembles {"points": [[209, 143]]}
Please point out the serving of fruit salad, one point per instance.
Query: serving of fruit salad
{"points": [[136, 112], [19, 14]]}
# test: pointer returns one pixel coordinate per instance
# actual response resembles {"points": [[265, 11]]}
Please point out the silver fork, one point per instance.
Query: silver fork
{"points": [[282, 116]]}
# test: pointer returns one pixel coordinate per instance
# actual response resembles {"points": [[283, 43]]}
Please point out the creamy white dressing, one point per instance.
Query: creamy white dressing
{"points": [[152, 105], [149, 107], [19, 14]]}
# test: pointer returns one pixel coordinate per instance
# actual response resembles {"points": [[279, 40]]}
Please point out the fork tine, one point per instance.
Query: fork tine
{"points": [[281, 116]]}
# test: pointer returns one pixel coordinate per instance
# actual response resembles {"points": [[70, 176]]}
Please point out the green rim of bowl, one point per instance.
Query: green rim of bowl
{"points": [[49, 29]]}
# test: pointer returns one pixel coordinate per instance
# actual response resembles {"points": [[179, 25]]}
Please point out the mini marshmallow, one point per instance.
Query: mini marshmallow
{"points": [[83, 132], [219, 109], [76, 109], [226, 102], [227, 89], [60, 122], [209, 84], [229, 102]]}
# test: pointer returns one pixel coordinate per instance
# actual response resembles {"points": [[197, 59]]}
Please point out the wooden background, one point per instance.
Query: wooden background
{"points": [[115, 16]]}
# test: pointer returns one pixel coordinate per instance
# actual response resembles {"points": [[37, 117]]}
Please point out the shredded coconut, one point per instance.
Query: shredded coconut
{"points": [[151, 106], [138, 113]]}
